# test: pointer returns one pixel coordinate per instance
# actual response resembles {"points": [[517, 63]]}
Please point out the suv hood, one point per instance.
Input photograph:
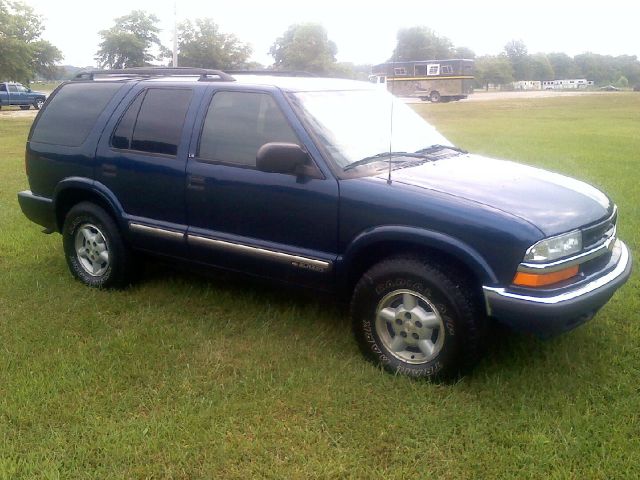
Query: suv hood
{"points": [[552, 202]]}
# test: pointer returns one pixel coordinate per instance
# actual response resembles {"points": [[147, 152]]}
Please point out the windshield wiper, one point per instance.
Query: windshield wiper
{"points": [[384, 156], [436, 147]]}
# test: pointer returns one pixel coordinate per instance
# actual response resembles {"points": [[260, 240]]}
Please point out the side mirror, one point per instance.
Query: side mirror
{"points": [[287, 158], [28, 90]]}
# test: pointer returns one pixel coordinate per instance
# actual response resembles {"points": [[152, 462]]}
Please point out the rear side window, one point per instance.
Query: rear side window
{"points": [[153, 122], [72, 113]]}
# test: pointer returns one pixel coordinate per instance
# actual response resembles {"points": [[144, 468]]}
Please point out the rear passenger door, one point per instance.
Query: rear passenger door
{"points": [[268, 224], [142, 158]]}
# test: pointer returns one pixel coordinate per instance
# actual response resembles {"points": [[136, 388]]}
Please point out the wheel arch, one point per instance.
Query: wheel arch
{"points": [[383, 242], [72, 191]]}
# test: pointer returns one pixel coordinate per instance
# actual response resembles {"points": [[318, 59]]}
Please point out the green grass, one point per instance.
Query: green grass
{"points": [[186, 377]]}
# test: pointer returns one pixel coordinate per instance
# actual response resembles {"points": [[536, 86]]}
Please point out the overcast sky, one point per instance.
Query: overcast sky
{"points": [[365, 31]]}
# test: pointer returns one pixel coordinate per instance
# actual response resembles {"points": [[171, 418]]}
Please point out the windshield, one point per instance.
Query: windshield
{"points": [[356, 124]]}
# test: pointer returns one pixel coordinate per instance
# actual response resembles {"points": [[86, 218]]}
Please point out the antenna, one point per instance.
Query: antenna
{"points": [[175, 34], [393, 88]]}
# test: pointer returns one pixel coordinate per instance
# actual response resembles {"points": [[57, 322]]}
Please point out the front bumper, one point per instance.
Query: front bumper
{"points": [[547, 315]]}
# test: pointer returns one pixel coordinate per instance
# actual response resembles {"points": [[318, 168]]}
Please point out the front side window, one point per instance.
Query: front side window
{"points": [[238, 124], [153, 122], [13, 88], [3, 87], [22, 89]]}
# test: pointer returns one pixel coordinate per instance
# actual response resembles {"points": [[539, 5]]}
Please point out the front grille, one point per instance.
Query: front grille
{"points": [[598, 233]]}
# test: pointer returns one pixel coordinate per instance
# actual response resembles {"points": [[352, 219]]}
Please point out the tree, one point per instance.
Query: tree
{"points": [[351, 71], [622, 82], [202, 45], [495, 70], [464, 52], [563, 66], [128, 42], [420, 43], [540, 67], [304, 46], [23, 54], [517, 53]]}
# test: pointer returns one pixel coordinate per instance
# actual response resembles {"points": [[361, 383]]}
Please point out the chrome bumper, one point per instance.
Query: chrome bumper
{"points": [[546, 314]]}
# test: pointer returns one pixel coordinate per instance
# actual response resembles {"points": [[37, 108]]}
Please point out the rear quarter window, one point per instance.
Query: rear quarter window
{"points": [[72, 113]]}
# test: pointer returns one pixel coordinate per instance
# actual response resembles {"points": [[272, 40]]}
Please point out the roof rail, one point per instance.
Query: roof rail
{"points": [[273, 73], [204, 73]]}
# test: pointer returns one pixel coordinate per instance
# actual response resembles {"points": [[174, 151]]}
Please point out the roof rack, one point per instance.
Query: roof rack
{"points": [[204, 74], [273, 73]]}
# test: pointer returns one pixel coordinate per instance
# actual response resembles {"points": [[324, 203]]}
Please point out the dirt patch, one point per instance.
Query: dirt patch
{"points": [[18, 113], [490, 96]]}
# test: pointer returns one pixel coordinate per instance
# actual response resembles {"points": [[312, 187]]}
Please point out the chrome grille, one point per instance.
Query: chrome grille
{"points": [[599, 232]]}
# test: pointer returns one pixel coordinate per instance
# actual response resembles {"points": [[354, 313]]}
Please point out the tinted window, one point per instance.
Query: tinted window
{"points": [[122, 135], [238, 124], [159, 125], [13, 88], [3, 87], [72, 113]]}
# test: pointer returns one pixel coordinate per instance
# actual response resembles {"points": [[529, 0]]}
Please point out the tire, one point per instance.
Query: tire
{"points": [[25, 107], [38, 103], [88, 233], [434, 96], [418, 319]]}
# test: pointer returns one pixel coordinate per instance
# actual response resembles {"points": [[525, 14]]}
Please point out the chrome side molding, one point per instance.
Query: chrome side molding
{"points": [[297, 261], [155, 231]]}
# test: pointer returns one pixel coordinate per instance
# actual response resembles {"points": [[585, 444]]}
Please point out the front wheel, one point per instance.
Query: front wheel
{"points": [[93, 247], [434, 96], [38, 104], [417, 319]]}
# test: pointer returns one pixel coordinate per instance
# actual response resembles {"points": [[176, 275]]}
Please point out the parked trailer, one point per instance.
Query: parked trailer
{"points": [[570, 84], [434, 80]]}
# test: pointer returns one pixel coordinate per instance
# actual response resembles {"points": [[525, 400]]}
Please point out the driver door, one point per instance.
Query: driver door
{"points": [[267, 224]]}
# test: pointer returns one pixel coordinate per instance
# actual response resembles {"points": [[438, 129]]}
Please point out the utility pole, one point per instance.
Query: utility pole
{"points": [[175, 34]]}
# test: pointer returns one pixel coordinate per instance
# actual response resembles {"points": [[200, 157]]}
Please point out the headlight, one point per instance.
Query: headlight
{"points": [[555, 247]]}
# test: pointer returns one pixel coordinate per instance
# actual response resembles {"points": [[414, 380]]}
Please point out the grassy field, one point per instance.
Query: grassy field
{"points": [[187, 377]]}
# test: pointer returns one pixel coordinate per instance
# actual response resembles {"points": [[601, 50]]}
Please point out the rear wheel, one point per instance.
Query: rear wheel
{"points": [[95, 252], [417, 318]]}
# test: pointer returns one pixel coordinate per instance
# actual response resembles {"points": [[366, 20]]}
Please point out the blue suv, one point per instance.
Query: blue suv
{"points": [[302, 181]]}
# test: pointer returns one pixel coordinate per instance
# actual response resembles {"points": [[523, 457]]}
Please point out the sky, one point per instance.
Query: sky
{"points": [[365, 32]]}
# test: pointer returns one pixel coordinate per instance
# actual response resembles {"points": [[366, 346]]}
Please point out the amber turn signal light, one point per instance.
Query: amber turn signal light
{"points": [[542, 279]]}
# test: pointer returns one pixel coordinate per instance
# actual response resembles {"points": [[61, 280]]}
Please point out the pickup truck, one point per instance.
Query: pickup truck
{"points": [[16, 94]]}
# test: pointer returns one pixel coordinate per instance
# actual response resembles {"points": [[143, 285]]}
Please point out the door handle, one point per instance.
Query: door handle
{"points": [[196, 182], [109, 170]]}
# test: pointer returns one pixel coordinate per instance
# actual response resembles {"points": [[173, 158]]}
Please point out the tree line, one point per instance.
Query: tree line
{"points": [[23, 53], [133, 41]]}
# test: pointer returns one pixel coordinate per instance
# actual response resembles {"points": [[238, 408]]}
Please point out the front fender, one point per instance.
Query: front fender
{"points": [[420, 238]]}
